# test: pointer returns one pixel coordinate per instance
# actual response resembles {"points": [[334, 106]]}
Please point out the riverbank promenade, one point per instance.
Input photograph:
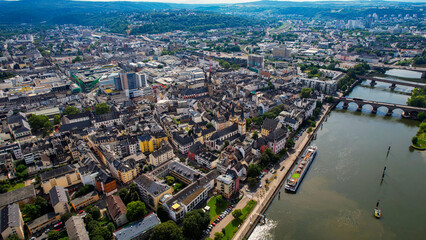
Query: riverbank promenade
{"points": [[268, 195]]}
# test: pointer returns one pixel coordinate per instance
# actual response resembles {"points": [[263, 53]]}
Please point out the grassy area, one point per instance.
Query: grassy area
{"points": [[232, 227], [19, 185], [216, 207], [421, 142]]}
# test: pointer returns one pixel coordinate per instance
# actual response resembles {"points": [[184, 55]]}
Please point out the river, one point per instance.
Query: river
{"points": [[337, 196]]}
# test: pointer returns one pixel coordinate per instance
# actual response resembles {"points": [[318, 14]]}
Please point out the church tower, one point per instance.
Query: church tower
{"points": [[242, 128]]}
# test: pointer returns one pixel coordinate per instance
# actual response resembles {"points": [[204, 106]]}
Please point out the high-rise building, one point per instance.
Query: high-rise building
{"points": [[281, 52], [130, 82], [255, 61]]}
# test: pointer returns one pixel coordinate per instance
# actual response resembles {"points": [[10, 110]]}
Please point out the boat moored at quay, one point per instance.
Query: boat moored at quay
{"points": [[296, 176]]}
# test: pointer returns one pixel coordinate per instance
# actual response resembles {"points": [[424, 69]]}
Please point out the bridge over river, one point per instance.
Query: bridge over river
{"points": [[393, 82], [407, 111]]}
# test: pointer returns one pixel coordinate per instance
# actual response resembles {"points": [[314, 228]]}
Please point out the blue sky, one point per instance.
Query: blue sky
{"points": [[229, 1], [201, 1]]}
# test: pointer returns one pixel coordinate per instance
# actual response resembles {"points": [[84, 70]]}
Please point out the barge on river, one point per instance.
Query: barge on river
{"points": [[299, 171]]}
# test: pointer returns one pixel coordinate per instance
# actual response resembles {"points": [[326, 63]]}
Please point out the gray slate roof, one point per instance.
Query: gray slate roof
{"points": [[150, 185], [9, 216], [58, 194], [17, 195], [137, 228]]}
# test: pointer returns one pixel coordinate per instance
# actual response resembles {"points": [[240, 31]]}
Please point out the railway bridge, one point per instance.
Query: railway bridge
{"points": [[407, 111]]}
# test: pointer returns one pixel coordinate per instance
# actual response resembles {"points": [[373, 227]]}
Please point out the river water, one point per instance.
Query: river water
{"points": [[337, 196]]}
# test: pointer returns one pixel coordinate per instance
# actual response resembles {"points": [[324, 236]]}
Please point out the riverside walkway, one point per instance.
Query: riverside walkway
{"points": [[264, 200]]}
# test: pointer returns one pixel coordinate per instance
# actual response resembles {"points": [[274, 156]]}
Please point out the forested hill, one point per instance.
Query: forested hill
{"points": [[193, 21], [118, 17], [36, 11]]}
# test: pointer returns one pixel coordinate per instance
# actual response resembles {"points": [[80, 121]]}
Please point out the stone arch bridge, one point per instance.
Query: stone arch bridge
{"points": [[407, 111]]}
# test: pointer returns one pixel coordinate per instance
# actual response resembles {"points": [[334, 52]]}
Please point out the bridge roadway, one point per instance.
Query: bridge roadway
{"points": [[393, 82], [408, 111], [381, 65]]}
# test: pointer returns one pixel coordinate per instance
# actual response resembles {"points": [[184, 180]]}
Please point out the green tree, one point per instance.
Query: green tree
{"points": [[253, 170], [31, 211], [255, 135], [167, 231], [97, 237], [414, 140], [123, 193], [226, 143], [235, 66], [101, 231], [237, 213], [162, 214], [290, 143], [41, 202], [132, 194], [224, 64], [110, 226], [38, 122], [330, 99], [57, 119], [264, 159], [135, 210], [84, 190], [93, 211], [93, 225], [194, 222], [219, 236], [53, 235], [102, 108], [421, 116], [309, 130], [418, 97], [209, 125], [306, 92], [77, 59], [252, 181], [170, 180], [70, 110], [65, 217], [13, 237]]}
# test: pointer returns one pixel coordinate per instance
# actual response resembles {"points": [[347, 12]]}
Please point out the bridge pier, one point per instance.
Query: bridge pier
{"points": [[373, 83], [405, 115], [374, 111], [423, 75], [345, 105], [393, 86], [359, 109], [389, 113]]}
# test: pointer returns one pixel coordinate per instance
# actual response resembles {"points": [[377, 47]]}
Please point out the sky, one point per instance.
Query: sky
{"points": [[202, 1], [228, 1]]}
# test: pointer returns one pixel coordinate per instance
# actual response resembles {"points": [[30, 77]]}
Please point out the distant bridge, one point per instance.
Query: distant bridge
{"points": [[416, 69], [393, 82], [407, 111]]}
